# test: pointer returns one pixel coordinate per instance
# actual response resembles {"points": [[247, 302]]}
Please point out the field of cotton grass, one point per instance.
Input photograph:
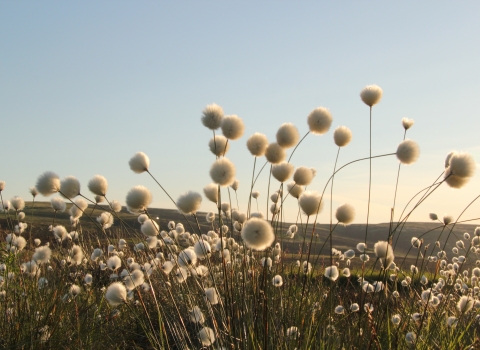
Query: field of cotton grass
{"points": [[222, 280]]}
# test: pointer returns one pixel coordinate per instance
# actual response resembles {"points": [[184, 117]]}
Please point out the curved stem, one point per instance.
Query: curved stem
{"points": [[298, 144]]}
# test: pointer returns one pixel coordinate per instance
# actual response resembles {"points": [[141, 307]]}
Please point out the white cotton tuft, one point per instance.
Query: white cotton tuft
{"points": [[275, 153], [384, 251], [70, 187], [257, 234], [116, 206], [345, 214], [331, 273], [232, 127], [282, 171], [211, 295], [287, 135], [212, 116], [407, 123], [294, 190], [98, 185], [150, 228], [319, 120], [134, 279], [222, 172], [139, 162], [303, 176], [211, 192], [58, 204], [219, 145], [42, 254], [105, 220], [257, 144], [116, 294], [17, 203], [207, 336], [460, 168], [138, 199], [189, 202], [114, 262], [48, 183], [78, 207], [408, 152], [371, 95], [342, 136], [310, 202]]}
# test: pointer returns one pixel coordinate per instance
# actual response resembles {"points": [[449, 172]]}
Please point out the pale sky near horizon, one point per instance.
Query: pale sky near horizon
{"points": [[85, 85]]}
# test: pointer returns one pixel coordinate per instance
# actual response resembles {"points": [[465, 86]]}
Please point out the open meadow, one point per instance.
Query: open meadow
{"points": [[85, 271]]}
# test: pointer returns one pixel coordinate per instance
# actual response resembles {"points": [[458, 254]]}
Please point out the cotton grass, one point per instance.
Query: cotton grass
{"points": [[257, 234], [222, 172], [139, 163], [138, 199], [319, 120]]}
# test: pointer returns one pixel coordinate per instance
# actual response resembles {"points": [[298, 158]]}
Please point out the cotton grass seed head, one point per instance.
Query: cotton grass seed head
{"points": [[207, 336], [70, 187], [219, 145], [282, 171], [408, 152], [371, 95], [222, 172], [17, 203], [275, 153], [407, 123], [42, 255], [33, 191], [331, 273], [460, 168], [342, 136], [310, 202], [150, 228], [257, 234], [319, 120], [139, 162], [232, 127], [294, 190], [58, 204], [384, 251], [189, 202], [303, 176], [138, 199], [345, 214], [116, 294], [257, 144], [287, 135], [212, 116], [211, 192], [98, 185], [48, 183]]}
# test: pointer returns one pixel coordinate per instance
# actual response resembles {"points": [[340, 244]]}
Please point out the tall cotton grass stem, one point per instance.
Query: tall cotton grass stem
{"points": [[296, 146], [396, 187], [251, 187], [369, 178], [268, 191], [331, 206]]}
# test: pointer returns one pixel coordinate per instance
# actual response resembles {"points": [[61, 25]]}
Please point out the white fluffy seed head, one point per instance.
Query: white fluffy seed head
{"points": [[257, 234], [319, 120], [294, 190], [287, 135], [33, 191], [150, 228], [342, 136], [222, 172], [211, 192], [345, 214], [275, 153], [407, 123], [48, 183], [310, 202], [232, 127], [282, 171], [371, 95], [138, 199], [189, 202], [331, 273], [116, 206], [219, 145], [116, 294], [303, 176], [58, 204], [257, 144], [139, 162], [70, 187], [78, 208], [17, 203], [460, 168], [235, 185], [98, 185], [42, 254], [384, 251], [207, 336], [212, 116], [408, 152]]}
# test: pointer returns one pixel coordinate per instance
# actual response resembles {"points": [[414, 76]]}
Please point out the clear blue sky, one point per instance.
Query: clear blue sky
{"points": [[85, 85]]}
